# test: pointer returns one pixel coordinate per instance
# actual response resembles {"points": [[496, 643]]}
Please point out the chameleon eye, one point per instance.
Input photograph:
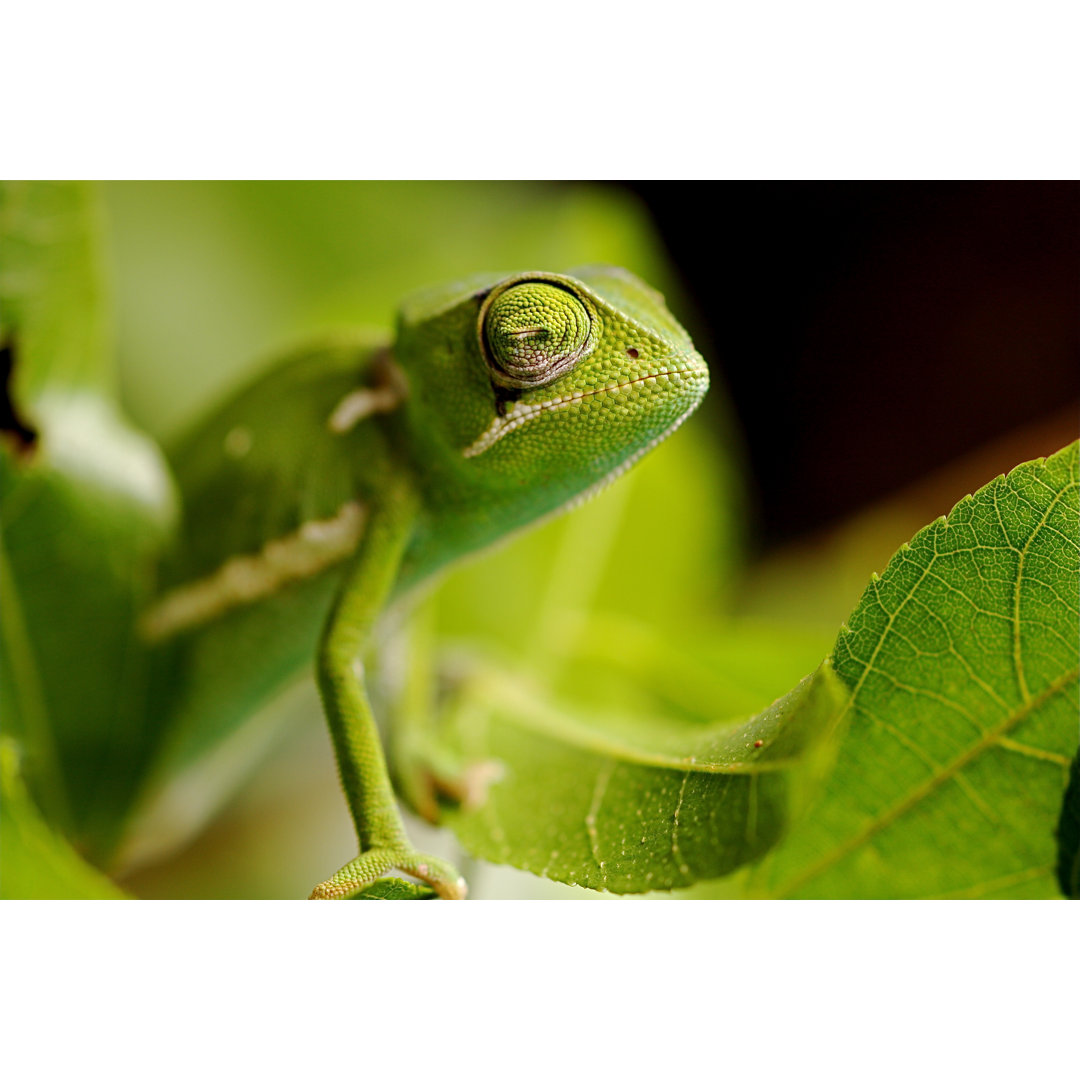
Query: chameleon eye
{"points": [[533, 333]]}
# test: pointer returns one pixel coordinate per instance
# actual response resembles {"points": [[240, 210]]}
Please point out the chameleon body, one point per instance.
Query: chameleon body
{"points": [[357, 469]]}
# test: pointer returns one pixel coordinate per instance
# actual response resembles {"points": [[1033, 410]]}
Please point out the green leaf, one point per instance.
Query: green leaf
{"points": [[51, 288], [38, 863], [1068, 832], [84, 509], [628, 801], [962, 664]]}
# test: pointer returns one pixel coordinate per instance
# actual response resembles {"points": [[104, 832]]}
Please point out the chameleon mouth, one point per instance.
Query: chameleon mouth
{"points": [[694, 376]]}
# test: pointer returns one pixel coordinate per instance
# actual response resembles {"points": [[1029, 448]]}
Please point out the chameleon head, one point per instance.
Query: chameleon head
{"points": [[546, 384]]}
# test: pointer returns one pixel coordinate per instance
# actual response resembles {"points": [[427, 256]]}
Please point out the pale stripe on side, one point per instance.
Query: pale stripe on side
{"points": [[244, 579]]}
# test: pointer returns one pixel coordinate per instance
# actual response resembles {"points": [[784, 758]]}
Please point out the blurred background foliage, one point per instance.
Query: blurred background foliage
{"points": [[853, 322]]}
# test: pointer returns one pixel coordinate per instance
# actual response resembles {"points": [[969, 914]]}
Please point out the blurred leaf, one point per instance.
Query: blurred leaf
{"points": [[625, 801], [1068, 831], [51, 289], [962, 662], [700, 671], [38, 863], [550, 580], [84, 511]]}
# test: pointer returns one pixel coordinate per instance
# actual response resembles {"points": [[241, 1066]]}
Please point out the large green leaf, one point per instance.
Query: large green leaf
{"points": [[625, 800], [962, 664]]}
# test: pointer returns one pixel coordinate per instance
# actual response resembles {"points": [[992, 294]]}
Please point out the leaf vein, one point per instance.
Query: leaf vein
{"points": [[929, 786]]}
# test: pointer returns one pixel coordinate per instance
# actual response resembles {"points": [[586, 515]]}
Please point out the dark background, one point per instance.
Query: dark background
{"points": [[871, 332]]}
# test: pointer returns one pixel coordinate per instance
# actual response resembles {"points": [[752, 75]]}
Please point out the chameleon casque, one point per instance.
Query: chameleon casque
{"points": [[355, 470]]}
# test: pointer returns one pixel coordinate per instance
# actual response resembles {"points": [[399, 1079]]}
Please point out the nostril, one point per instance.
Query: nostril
{"points": [[632, 353]]}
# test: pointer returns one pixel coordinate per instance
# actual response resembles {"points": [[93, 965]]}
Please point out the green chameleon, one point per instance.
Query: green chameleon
{"points": [[354, 471]]}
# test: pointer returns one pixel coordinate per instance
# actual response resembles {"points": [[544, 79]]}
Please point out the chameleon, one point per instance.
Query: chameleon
{"points": [[356, 469]]}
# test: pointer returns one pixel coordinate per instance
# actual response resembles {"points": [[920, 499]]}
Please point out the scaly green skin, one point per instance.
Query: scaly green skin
{"points": [[503, 400], [572, 433]]}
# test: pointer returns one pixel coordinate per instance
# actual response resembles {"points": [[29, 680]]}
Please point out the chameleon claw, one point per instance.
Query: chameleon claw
{"points": [[355, 876]]}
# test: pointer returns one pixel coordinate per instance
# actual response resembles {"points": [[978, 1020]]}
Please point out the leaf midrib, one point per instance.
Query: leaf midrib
{"points": [[527, 715]]}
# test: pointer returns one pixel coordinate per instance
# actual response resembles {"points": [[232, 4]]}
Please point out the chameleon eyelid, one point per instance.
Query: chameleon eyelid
{"points": [[571, 335]]}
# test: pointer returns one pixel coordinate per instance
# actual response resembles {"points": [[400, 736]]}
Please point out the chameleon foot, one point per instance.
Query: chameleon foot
{"points": [[369, 867], [427, 782], [424, 789]]}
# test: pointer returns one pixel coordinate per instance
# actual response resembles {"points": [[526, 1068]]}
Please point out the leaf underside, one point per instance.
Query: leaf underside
{"points": [[962, 664], [629, 803]]}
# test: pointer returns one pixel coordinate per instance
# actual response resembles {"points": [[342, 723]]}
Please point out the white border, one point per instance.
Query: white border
{"points": [[892, 989], [775, 89]]}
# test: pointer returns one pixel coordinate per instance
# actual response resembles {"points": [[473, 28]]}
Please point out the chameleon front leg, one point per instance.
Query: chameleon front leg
{"points": [[369, 580]]}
